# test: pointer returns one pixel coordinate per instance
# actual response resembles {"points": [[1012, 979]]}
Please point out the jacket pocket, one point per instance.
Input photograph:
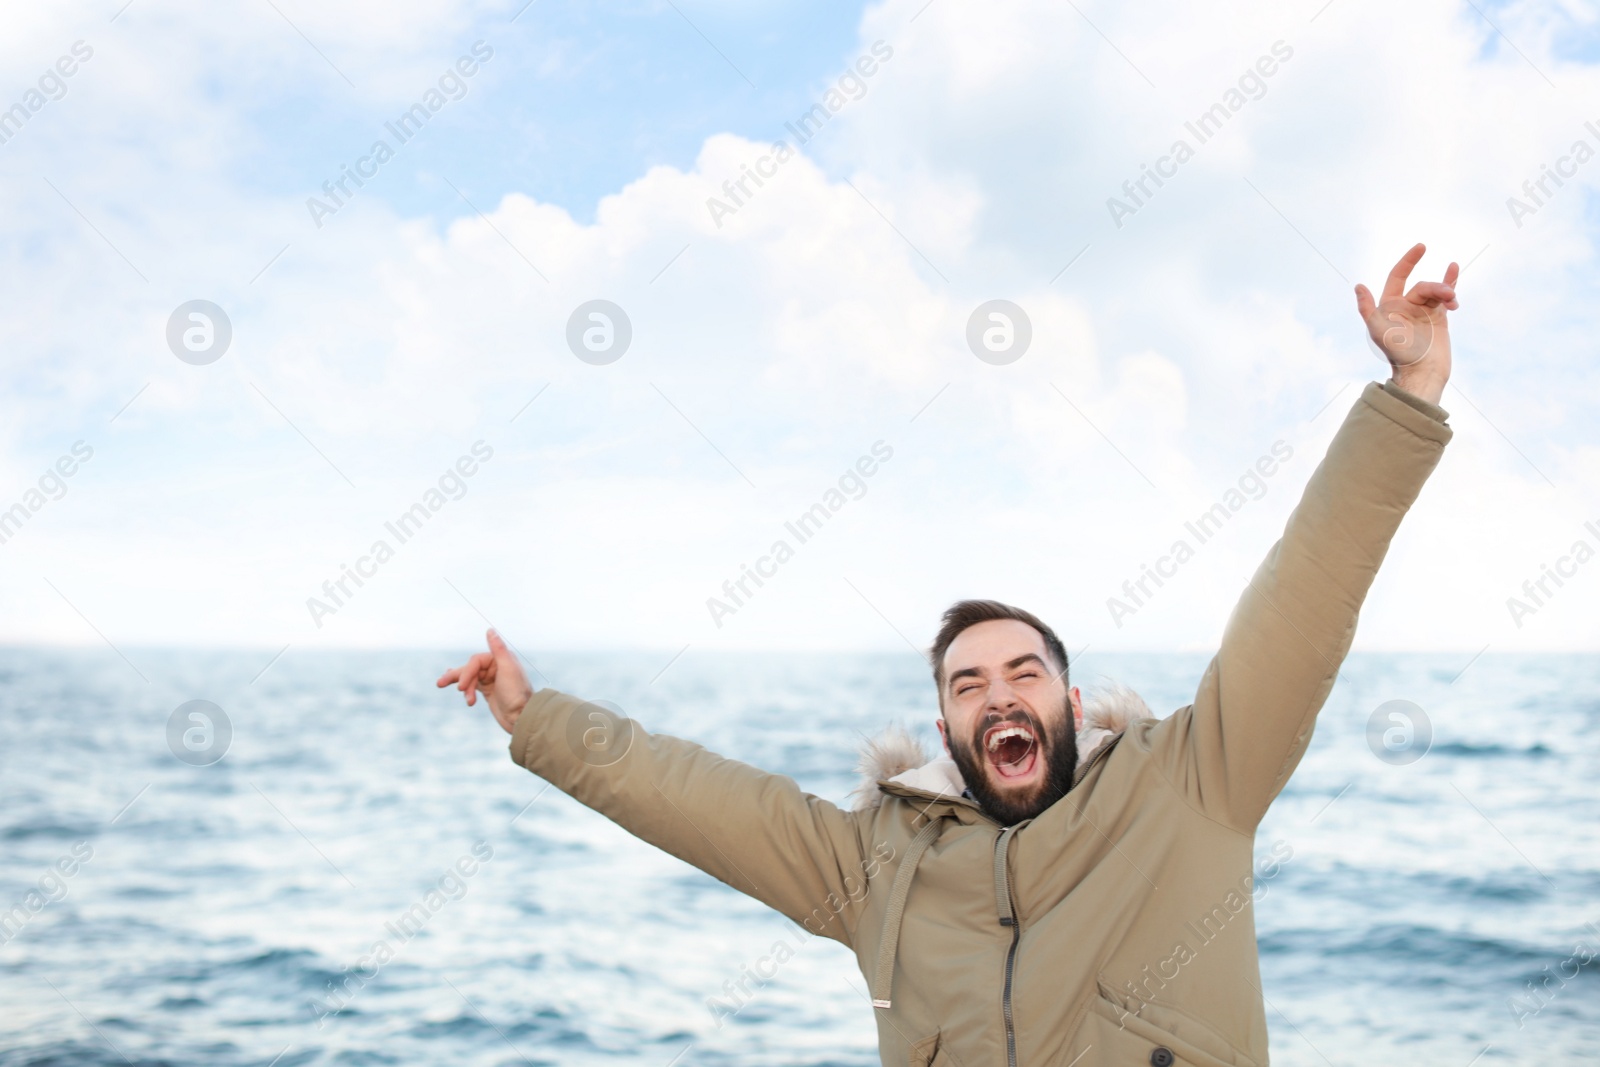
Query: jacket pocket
{"points": [[1119, 1036], [925, 1053]]}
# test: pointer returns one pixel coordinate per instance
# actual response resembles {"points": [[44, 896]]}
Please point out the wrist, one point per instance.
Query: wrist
{"points": [[513, 710], [1429, 387]]}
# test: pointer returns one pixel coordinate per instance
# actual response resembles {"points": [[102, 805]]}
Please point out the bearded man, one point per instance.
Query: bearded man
{"points": [[1066, 885]]}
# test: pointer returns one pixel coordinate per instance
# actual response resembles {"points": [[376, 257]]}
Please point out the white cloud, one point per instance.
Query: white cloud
{"points": [[820, 317]]}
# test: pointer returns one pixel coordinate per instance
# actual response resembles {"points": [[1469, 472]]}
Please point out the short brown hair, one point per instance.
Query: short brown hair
{"points": [[965, 613]]}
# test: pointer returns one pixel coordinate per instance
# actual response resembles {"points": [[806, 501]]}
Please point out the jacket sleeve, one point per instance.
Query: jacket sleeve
{"points": [[757, 832], [1257, 703]]}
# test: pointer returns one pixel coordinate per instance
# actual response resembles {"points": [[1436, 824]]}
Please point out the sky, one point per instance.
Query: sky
{"points": [[418, 341]]}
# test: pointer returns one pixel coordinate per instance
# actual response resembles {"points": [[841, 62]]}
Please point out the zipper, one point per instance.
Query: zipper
{"points": [[1008, 913], [1011, 961], [1002, 886], [1008, 917]]}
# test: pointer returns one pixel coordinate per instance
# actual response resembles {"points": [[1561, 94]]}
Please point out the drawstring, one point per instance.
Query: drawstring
{"points": [[1002, 891], [897, 905]]}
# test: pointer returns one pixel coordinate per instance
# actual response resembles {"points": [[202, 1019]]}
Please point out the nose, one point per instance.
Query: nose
{"points": [[1001, 698]]}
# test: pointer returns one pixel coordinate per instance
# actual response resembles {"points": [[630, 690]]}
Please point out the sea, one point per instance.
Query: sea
{"points": [[214, 890]]}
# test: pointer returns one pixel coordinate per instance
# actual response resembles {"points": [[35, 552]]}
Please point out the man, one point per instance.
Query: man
{"points": [[1021, 902]]}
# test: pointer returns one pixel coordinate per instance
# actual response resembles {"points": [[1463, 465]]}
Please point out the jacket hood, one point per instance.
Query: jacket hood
{"points": [[896, 756]]}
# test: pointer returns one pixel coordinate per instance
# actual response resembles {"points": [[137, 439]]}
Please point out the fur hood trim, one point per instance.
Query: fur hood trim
{"points": [[894, 755]]}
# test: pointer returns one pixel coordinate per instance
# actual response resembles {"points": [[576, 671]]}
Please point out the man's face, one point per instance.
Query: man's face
{"points": [[1009, 719]]}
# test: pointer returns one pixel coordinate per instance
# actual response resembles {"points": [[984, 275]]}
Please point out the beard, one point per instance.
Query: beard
{"points": [[1058, 748]]}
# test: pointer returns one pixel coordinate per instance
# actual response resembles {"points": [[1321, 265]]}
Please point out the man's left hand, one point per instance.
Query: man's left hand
{"points": [[1411, 328]]}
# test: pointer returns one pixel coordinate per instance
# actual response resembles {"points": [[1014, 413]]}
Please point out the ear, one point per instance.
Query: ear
{"points": [[1076, 699], [944, 738]]}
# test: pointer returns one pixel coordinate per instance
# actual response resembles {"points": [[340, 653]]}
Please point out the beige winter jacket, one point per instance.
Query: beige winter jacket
{"points": [[1115, 928]]}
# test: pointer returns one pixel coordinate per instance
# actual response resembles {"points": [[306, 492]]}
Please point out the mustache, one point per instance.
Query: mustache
{"points": [[1057, 749], [1041, 734]]}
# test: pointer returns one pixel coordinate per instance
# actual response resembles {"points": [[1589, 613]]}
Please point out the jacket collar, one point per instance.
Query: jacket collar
{"points": [[894, 763]]}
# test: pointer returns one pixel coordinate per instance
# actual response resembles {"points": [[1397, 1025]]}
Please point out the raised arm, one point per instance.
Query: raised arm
{"points": [[758, 832], [1253, 715]]}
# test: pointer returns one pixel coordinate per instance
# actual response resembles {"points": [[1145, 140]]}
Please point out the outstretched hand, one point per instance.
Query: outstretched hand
{"points": [[1411, 328], [498, 674]]}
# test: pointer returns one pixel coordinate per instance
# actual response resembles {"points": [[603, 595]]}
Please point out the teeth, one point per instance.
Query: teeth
{"points": [[1006, 733]]}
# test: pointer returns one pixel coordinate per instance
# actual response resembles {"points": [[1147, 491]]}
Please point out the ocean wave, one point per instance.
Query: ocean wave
{"points": [[1431, 947], [73, 1054], [52, 830], [1537, 750], [206, 923]]}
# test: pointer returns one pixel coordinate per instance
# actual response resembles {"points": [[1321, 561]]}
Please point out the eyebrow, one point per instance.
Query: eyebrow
{"points": [[977, 672]]}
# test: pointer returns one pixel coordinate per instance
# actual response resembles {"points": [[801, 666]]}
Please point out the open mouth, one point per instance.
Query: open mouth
{"points": [[1012, 749]]}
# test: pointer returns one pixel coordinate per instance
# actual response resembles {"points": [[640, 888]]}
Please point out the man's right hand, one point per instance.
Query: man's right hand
{"points": [[1412, 329], [498, 674]]}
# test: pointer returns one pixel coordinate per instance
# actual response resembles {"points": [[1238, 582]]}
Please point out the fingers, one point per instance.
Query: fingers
{"points": [[477, 673], [462, 678], [1365, 305], [468, 674], [1451, 273], [479, 669], [1432, 294], [1395, 286]]}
